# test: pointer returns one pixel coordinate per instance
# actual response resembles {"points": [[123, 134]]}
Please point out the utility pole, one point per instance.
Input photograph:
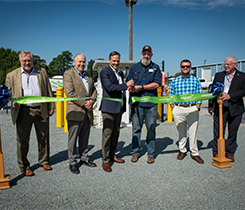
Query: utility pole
{"points": [[130, 3]]}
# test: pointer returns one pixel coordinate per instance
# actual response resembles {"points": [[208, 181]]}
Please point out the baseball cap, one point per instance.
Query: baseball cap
{"points": [[147, 47]]}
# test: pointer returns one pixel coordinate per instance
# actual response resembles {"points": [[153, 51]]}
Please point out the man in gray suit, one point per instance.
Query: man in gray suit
{"points": [[29, 80], [79, 84]]}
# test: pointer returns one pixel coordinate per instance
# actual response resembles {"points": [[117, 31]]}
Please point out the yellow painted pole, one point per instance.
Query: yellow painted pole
{"points": [[59, 107], [4, 179], [169, 112], [159, 106], [221, 161], [65, 121]]}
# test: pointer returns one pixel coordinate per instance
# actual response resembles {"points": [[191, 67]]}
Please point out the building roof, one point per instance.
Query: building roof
{"points": [[213, 64], [101, 64]]}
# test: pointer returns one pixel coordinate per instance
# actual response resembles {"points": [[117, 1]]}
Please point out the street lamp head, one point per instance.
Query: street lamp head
{"points": [[131, 1]]}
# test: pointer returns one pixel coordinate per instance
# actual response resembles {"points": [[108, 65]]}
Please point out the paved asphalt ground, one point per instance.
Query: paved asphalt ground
{"points": [[167, 184]]}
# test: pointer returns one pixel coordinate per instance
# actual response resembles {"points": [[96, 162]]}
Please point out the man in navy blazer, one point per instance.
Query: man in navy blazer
{"points": [[233, 107], [113, 87]]}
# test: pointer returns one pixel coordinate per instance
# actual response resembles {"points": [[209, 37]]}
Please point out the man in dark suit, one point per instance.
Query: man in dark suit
{"points": [[79, 84], [113, 87], [29, 80], [233, 108]]}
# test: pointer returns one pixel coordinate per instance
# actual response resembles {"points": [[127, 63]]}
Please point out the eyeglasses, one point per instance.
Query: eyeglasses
{"points": [[228, 64], [26, 61], [185, 66]]}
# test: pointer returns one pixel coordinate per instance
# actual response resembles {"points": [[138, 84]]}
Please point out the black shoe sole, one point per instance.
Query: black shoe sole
{"points": [[75, 172], [92, 165]]}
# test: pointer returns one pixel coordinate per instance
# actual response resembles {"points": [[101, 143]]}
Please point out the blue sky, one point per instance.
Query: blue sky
{"points": [[176, 29]]}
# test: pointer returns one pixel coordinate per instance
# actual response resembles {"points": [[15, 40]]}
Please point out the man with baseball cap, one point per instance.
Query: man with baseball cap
{"points": [[147, 78]]}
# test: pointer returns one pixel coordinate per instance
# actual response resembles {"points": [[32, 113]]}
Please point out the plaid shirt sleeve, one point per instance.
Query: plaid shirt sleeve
{"points": [[172, 89], [198, 89], [180, 86]]}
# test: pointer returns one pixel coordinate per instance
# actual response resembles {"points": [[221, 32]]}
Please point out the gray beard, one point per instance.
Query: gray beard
{"points": [[28, 69], [145, 63]]}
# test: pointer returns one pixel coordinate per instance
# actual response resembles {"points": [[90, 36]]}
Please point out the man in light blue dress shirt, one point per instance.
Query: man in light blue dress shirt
{"points": [[79, 84]]}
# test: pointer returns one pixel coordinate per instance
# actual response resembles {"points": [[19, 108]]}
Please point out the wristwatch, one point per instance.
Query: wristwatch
{"points": [[142, 87]]}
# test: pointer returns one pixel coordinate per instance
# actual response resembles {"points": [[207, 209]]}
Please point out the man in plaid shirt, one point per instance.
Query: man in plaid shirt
{"points": [[186, 114]]}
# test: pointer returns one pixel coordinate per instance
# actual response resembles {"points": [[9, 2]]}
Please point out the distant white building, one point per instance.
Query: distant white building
{"points": [[208, 71]]}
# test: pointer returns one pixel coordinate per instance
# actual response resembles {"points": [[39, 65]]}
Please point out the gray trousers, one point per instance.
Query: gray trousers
{"points": [[80, 130]]}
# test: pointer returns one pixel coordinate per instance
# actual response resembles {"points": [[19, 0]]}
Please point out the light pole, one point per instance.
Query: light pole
{"points": [[130, 4]]}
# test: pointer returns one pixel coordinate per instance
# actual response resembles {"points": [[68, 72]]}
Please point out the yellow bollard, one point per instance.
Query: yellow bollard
{"points": [[4, 179], [59, 107], [159, 106], [65, 121], [169, 114]]}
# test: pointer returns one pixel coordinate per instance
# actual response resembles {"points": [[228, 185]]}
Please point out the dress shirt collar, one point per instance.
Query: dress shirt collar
{"points": [[186, 77], [116, 72], [80, 74], [32, 71], [231, 75]]}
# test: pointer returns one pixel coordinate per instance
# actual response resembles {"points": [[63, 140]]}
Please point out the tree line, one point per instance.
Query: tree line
{"points": [[64, 61]]}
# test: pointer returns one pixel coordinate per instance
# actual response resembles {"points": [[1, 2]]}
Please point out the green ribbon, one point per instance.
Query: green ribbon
{"points": [[44, 99], [174, 98], [144, 99]]}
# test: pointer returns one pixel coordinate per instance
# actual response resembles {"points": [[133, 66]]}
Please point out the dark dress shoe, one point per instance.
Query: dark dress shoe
{"points": [[118, 160], [28, 172], [74, 169], [232, 159], [47, 167], [198, 159], [106, 167], [181, 155], [88, 163]]}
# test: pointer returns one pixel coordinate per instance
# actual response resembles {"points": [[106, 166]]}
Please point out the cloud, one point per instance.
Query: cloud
{"points": [[103, 1], [197, 4], [188, 4]]}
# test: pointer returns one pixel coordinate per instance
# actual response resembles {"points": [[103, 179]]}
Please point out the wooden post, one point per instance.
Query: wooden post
{"points": [[4, 179], [220, 160]]}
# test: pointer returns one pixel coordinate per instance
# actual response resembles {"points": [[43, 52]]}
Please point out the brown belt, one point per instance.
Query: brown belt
{"points": [[185, 105]]}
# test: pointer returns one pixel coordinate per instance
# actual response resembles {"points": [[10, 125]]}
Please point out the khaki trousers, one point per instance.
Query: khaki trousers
{"points": [[110, 135], [186, 119], [26, 118]]}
